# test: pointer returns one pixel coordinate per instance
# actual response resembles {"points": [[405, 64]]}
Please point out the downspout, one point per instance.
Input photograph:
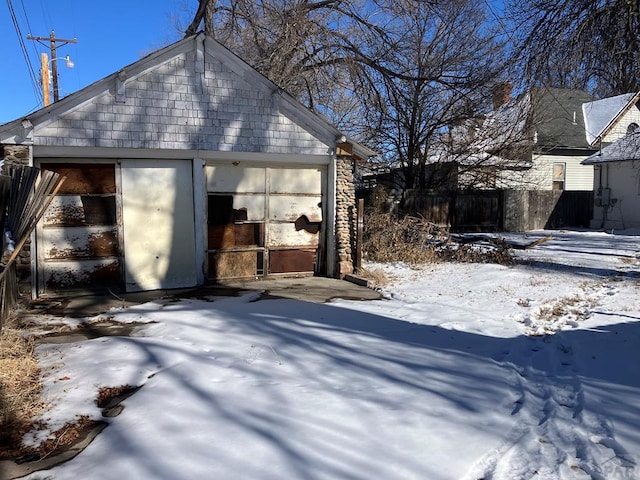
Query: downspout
{"points": [[605, 208]]}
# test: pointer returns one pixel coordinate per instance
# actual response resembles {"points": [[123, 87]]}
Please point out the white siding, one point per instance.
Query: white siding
{"points": [[623, 181], [540, 175], [619, 130], [171, 106]]}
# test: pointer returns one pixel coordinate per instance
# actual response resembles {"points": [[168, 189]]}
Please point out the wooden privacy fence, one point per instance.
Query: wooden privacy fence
{"points": [[468, 211], [501, 210]]}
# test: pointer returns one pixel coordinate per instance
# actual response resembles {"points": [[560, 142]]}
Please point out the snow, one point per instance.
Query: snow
{"points": [[599, 114], [463, 371]]}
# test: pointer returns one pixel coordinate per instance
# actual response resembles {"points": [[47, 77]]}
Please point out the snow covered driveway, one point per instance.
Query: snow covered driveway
{"points": [[443, 380]]}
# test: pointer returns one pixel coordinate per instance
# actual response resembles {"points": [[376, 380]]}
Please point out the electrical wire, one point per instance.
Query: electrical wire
{"points": [[23, 48], [26, 18]]}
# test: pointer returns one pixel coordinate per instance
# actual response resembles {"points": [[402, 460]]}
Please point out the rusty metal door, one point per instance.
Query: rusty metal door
{"points": [[78, 237], [158, 224]]}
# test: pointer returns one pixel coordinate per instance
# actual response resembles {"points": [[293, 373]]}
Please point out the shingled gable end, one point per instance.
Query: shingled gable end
{"points": [[187, 166]]}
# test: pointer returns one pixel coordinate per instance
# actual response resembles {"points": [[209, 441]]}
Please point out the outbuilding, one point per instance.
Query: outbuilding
{"points": [[183, 167]]}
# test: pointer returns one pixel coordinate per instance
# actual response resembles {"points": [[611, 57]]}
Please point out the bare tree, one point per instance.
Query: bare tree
{"points": [[395, 74], [432, 72], [589, 44]]}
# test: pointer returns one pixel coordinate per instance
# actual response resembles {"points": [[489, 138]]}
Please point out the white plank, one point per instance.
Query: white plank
{"points": [[291, 207], [295, 180], [254, 204], [231, 178], [286, 235]]}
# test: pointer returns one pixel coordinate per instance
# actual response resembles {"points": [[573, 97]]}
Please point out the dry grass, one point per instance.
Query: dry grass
{"points": [[376, 276], [107, 394], [575, 306], [20, 389], [388, 238], [21, 400]]}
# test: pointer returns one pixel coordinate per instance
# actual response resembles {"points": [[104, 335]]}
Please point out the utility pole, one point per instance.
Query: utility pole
{"points": [[44, 78], [54, 67]]}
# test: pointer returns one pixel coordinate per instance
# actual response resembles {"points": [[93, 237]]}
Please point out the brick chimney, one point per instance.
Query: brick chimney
{"points": [[501, 94]]}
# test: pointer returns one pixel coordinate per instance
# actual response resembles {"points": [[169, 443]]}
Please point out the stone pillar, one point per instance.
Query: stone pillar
{"points": [[345, 213], [15, 154]]}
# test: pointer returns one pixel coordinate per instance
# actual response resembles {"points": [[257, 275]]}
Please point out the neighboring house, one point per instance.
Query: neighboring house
{"points": [[610, 119], [617, 184], [544, 130], [535, 141], [187, 166]]}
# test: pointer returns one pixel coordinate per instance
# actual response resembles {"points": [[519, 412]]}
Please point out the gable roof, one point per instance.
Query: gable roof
{"points": [[601, 115], [557, 117], [547, 118], [198, 103], [625, 149]]}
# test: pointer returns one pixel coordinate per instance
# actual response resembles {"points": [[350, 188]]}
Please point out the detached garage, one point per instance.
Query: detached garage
{"points": [[185, 167]]}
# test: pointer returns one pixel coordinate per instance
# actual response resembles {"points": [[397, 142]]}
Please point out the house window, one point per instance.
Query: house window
{"points": [[632, 128], [559, 169]]}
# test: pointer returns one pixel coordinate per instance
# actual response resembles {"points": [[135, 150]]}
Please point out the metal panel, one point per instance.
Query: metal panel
{"points": [[231, 178], [296, 180], [253, 204], [288, 261], [291, 207], [79, 242], [286, 234], [104, 273], [158, 223]]}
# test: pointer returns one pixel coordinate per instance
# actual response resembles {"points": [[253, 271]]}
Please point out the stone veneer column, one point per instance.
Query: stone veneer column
{"points": [[345, 213]]}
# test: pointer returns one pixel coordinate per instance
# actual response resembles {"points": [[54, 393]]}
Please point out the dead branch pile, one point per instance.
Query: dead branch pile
{"points": [[413, 240]]}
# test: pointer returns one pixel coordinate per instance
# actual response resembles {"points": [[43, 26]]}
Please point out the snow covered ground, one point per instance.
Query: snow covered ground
{"points": [[463, 372]]}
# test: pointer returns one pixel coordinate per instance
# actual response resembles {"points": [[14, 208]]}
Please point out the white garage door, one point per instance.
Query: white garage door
{"points": [[158, 224]]}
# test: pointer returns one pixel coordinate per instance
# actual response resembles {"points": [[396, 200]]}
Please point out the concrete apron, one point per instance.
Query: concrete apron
{"points": [[306, 289]]}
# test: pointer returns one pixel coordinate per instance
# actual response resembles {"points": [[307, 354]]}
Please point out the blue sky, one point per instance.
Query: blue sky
{"points": [[110, 36]]}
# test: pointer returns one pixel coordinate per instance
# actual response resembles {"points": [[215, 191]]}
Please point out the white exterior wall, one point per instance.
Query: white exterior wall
{"points": [[540, 175], [619, 130], [623, 181]]}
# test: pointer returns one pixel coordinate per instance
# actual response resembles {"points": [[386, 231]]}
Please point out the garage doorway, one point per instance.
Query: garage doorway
{"points": [[263, 221]]}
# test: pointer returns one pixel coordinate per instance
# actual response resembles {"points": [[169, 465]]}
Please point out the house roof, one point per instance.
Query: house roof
{"points": [[601, 115], [625, 149], [549, 118], [557, 117], [20, 131]]}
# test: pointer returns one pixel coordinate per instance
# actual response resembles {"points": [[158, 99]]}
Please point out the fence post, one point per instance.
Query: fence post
{"points": [[359, 235]]}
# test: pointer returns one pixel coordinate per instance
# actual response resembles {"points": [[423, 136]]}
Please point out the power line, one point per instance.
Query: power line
{"points": [[23, 48], [26, 18]]}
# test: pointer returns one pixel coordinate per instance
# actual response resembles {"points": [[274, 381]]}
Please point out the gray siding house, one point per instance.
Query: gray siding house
{"points": [[183, 167]]}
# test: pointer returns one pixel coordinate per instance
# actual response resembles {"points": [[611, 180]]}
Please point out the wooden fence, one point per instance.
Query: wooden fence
{"points": [[502, 210]]}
